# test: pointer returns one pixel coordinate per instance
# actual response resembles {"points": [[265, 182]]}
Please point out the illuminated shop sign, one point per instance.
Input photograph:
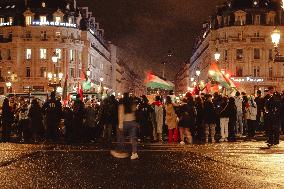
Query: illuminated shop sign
{"points": [[6, 24], [63, 24], [247, 79]]}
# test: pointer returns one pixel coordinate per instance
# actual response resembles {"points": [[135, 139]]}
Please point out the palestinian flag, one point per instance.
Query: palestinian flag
{"points": [[155, 82], [219, 77]]}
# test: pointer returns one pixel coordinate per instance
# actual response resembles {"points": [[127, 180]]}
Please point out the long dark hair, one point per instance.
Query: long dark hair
{"points": [[127, 102], [168, 100]]}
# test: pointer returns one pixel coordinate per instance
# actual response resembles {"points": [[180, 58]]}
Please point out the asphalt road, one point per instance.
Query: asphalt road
{"points": [[226, 165]]}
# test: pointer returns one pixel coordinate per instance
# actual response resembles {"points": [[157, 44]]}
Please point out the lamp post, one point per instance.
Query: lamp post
{"points": [[275, 37], [217, 55], [54, 80], [9, 85]]}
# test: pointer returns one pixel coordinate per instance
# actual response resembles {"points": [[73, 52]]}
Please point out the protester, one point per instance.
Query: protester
{"points": [[127, 125], [159, 113], [233, 113], [239, 126], [186, 115], [209, 119], [171, 121], [199, 129], [273, 109], [7, 120], [224, 119], [35, 118], [78, 118], [52, 109], [252, 118]]}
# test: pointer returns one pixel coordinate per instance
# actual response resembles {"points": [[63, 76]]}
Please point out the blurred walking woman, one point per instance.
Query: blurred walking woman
{"points": [[171, 120], [127, 125], [7, 120]]}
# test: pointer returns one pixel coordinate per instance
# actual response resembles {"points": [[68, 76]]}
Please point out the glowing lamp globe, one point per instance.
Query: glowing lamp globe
{"points": [[275, 36]]}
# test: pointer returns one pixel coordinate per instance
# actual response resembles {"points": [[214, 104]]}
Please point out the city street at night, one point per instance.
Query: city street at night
{"points": [[220, 165]]}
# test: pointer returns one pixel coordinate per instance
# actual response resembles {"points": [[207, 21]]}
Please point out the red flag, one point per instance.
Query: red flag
{"points": [[80, 91]]}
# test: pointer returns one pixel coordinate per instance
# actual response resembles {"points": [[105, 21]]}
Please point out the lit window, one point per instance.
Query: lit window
{"points": [[42, 53], [28, 54], [43, 34], [43, 4], [57, 19], [28, 20], [42, 19], [58, 53], [57, 34], [239, 54], [2, 20], [11, 20], [43, 72], [70, 20], [71, 54]]}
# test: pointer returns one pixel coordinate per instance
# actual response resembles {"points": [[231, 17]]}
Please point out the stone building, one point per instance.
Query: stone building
{"points": [[182, 81], [241, 32], [42, 38]]}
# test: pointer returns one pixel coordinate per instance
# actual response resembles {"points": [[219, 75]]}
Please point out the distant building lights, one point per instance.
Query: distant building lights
{"points": [[61, 24]]}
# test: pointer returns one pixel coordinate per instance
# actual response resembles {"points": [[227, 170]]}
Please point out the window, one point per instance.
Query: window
{"points": [[256, 71], [28, 20], [70, 20], [270, 54], [239, 72], [58, 53], [1, 73], [43, 4], [10, 20], [256, 53], [57, 19], [226, 55], [42, 19], [28, 34], [9, 54], [43, 72], [57, 34], [43, 35], [256, 34], [71, 53], [239, 54], [42, 53], [270, 72], [28, 72], [257, 19], [2, 20], [10, 36], [72, 72], [0, 55], [28, 54]]}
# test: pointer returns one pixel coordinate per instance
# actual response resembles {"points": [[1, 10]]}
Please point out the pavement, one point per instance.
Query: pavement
{"points": [[220, 165]]}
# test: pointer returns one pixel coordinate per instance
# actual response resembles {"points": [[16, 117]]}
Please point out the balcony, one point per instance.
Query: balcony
{"points": [[237, 39], [5, 40], [257, 39]]}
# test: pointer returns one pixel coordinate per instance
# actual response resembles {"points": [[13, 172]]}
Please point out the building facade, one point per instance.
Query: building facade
{"points": [[241, 32], [182, 80], [46, 42]]}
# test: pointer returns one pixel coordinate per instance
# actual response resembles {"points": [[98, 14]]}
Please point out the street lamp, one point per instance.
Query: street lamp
{"points": [[8, 85], [88, 72], [217, 55], [54, 57], [197, 72], [275, 37]]}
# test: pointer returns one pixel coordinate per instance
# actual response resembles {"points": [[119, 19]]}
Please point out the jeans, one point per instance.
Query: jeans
{"points": [[240, 126], [224, 123], [129, 128], [210, 131]]}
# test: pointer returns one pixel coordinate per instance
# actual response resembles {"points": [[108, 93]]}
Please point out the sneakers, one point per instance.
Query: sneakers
{"points": [[182, 143], [119, 155], [134, 156]]}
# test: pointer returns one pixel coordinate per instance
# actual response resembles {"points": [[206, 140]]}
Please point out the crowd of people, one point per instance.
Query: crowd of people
{"points": [[196, 118]]}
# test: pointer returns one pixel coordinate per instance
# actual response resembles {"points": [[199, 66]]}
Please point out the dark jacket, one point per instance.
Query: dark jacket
{"points": [[209, 113], [187, 116], [225, 112]]}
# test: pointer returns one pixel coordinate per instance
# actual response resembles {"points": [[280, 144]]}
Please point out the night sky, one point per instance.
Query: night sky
{"points": [[147, 29]]}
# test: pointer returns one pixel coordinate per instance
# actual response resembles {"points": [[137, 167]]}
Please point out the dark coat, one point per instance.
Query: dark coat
{"points": [[209, 113], [187, 116], [36, 119], [225, 112]]}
